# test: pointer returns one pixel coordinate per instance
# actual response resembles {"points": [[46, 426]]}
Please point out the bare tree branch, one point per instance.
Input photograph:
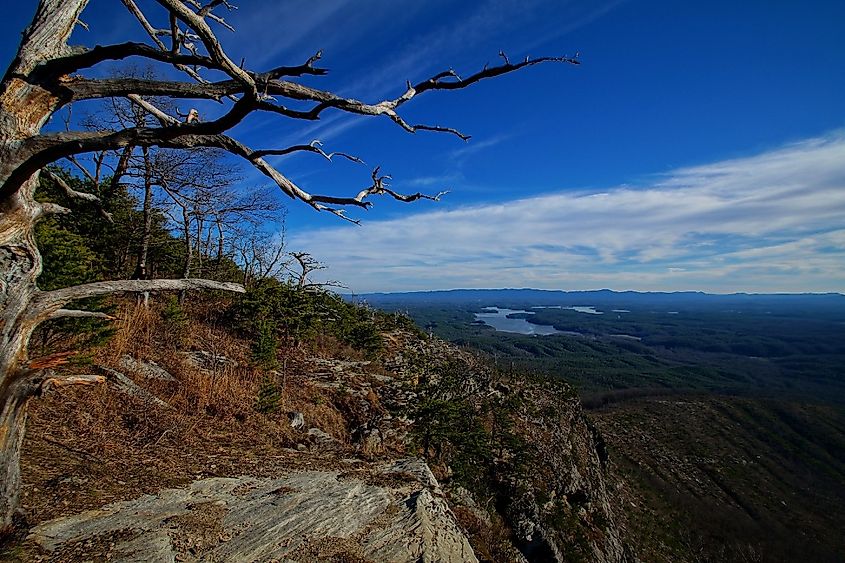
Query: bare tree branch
{"points": [[47, 148], [139, 15], [46, 303], [126, 385], [79, 314], [380, 187], [53, 209], [51, 380], [307, 265], [87, 89], [163, 117], [70, 192], [213, 47], [85, 142], [73, 160], [153, 33], [91, 57], [73, 194], [315, 146]]}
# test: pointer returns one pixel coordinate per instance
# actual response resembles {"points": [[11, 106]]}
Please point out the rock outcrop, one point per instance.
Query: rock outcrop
{"points": [[348, 490], [564, 505], [388, 512], [560, 505], [148, 369]]}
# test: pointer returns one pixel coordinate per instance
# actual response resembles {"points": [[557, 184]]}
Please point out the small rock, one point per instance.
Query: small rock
{"points": [[321, 437], [297, 420], [207, 360], [148, 369]]}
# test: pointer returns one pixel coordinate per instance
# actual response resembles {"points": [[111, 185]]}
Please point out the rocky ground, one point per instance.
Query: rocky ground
{"points": [[169, 462], [368, 512]]}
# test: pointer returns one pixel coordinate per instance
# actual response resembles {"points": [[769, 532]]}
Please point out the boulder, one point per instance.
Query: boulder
{"points": [[389, 512], [145, 368]]}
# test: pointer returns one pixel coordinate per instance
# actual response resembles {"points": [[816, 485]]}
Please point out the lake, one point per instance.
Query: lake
{"points": [[588, 310], [498, 319]]}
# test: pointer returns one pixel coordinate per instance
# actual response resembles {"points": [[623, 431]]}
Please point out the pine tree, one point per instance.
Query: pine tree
{"points": [[268, 396]]}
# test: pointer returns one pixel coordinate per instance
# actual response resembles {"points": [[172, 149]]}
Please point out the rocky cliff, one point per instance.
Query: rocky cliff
{"points": [[549, 478], [425, 453]]}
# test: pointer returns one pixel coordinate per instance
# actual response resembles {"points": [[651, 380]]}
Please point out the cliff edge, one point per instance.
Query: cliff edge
{"points": [[423, 452]]}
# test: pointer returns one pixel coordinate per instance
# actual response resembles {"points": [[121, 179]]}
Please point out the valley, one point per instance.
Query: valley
{"points": [[724, 415]]}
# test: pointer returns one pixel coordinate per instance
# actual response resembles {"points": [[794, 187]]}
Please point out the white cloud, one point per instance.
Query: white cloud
{"points": [[770, 222]]}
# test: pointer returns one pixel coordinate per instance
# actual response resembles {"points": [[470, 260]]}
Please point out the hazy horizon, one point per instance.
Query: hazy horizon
{"points": [[603, 289]]}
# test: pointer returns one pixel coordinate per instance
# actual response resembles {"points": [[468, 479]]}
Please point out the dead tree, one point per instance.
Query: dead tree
{"points": [[229, 212], [122, 113], [47, 75], [260, 253], [189, 179], [196, 188], [305, 266]]}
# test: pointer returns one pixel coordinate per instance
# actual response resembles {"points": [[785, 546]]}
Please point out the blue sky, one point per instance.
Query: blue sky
{"points": [[700, 145]]}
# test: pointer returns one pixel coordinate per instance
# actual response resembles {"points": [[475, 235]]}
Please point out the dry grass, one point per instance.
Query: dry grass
{"points": [[327, 346], [224, 391], [86, 447]]}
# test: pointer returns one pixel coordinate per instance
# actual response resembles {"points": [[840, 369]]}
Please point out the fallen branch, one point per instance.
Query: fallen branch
{"points": [[52, 381], [125, 385]]}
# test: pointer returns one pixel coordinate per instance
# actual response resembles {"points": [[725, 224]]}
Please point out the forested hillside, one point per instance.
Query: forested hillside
{"points": [[724, 413]]}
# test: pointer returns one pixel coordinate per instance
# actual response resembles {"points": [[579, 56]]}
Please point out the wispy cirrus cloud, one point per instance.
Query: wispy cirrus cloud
{"points": [[770, 222], [460, 154], [411, 56]]}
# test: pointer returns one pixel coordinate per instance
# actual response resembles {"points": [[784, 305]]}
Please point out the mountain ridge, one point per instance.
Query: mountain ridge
{"points": [[527, 297]]}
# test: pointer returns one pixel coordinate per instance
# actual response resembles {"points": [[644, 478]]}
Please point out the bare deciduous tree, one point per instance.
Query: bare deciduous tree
{"points": [[196, 186], [305, 265], [260, 252], [45, 77]]}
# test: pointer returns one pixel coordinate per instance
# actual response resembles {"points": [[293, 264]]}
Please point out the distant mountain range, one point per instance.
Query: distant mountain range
{"points": [[603, 298]]}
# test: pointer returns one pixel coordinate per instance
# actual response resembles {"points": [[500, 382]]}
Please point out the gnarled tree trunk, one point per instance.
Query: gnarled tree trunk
{"points": [[24, 109], [26, 103]]}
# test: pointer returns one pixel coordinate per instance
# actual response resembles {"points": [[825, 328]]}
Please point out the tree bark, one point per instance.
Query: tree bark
{"points": [[13, 403], [186, 236], [199, 241], [141, 272], [220, 241], [24, 109]]}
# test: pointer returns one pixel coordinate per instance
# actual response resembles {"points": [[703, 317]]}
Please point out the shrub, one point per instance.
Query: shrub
{"points": [[68, 260], [175, 322], [268, 396], [264, 345], [451, 431], [295, 316]]}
